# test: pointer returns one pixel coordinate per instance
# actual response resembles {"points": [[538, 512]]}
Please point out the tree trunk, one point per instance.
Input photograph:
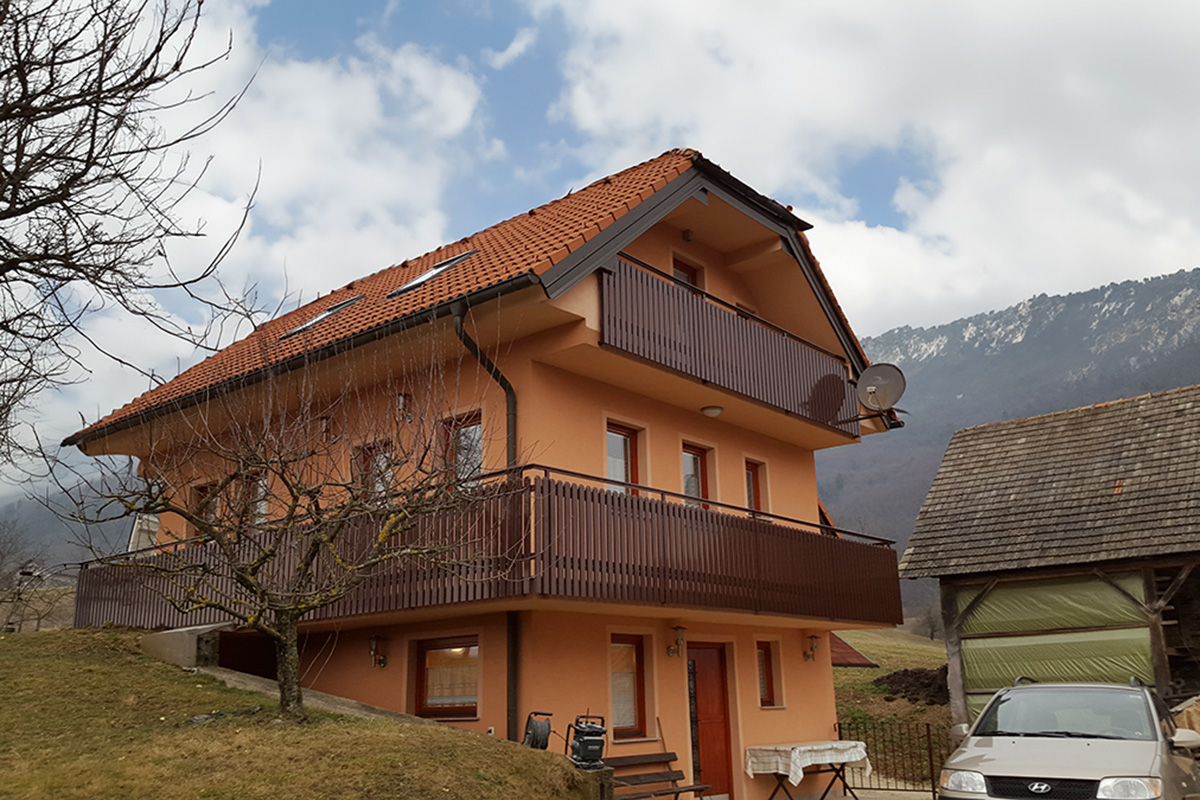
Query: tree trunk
{"points": [[287, 665]]}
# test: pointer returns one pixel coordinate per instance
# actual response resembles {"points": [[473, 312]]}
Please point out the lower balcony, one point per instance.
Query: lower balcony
{"points": [[542, 533]]}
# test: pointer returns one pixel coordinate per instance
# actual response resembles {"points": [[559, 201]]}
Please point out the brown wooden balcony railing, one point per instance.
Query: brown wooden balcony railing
{"points": [[564, 535], [699, 335]]}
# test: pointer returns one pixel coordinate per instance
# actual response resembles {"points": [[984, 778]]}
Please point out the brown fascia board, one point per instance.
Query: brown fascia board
{"points": [[772, 208], [203, 395], [858, 358], [564, 275], [706, 177]]}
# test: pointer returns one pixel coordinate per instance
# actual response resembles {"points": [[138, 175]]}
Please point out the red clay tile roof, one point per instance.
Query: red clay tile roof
{"points": [[844, 654], [528, 244]]}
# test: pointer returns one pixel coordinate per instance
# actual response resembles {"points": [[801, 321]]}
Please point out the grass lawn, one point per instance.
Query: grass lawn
{"points": [[858, 698], [84, 715]]}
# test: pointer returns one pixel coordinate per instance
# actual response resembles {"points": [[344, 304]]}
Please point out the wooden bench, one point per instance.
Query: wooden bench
{"points": [[656, 778]]}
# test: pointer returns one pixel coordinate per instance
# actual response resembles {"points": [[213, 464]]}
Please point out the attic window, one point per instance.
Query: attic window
{"points": [[437, 269], [324, 315]]}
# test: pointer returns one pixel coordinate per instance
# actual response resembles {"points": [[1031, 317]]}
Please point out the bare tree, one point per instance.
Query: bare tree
{"points": [[15, 553], [927, 621], [276, 502], [90, 182], [25, 594]]}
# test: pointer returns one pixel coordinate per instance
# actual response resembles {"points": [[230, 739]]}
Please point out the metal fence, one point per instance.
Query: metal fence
{"points": [[905, 756]]}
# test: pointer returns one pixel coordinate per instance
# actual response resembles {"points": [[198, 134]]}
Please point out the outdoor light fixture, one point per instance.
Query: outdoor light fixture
{"points": [[326, 426], [378, 659], [712, 411], [677, 648], [404, 406], [811, 653]]}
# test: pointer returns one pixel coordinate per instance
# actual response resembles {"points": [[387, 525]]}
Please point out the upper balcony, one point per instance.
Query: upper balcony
{"points": [[652, 317], [538, 533]]}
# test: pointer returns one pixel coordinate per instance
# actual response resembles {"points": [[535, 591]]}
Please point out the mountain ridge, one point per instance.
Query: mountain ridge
{"points": [[1045, 354]]}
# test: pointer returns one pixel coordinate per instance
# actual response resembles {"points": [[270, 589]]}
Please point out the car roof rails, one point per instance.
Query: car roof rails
{"points": [[1023, 679]]}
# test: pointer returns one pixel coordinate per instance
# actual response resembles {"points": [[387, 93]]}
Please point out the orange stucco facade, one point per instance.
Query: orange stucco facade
{"points": [[564, 669], [569, 389]]}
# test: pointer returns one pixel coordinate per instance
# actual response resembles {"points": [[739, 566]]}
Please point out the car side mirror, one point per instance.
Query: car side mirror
{"points": [[1186, 739], [959, 732]]}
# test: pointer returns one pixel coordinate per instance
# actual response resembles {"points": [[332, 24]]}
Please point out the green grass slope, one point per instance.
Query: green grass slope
{"points": [[858, 700], [84, 715]]}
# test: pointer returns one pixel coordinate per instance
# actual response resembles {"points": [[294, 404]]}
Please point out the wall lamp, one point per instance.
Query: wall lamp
{"points": [[712, 411], [404, 406], [811, 653], [378, 659], [677, 648]]}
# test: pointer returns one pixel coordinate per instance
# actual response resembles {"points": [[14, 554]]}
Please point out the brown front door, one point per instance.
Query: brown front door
{"points": [[709, 701]]}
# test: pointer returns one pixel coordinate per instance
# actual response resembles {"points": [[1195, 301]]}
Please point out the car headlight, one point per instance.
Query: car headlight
{"points": [[958, 780], [1129, 789]]}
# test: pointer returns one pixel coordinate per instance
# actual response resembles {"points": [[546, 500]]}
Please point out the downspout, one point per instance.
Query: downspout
{"points": [[510, 395], [513, 649], [512, 619]]}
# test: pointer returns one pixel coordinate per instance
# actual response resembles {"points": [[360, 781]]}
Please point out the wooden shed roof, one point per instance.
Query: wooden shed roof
{"points": [[1114, 481]]}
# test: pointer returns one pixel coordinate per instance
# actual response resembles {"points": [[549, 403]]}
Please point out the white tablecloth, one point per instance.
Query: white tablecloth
{"points": [[791, 759]]}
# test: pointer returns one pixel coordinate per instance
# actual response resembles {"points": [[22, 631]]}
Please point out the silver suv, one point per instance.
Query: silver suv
{"points": [[1073, 741]]}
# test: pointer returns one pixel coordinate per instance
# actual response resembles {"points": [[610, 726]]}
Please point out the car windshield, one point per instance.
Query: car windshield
{"points": [[1056, 711]]}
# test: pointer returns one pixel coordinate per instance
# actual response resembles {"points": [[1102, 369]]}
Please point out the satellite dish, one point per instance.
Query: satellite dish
{"points": [[880, 387]]}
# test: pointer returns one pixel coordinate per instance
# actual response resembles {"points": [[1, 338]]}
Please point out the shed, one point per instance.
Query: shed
{"points": [[1064, 545]]}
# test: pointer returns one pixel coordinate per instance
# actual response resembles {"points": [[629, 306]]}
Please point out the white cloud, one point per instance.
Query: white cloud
{"points": [[521, 42], [1060, 136]]}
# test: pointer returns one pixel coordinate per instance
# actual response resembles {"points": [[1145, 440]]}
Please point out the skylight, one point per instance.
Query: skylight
{"points": [[324, 315], [437, 269]]}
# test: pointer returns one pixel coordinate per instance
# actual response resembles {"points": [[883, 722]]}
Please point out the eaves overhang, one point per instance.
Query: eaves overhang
{"points": [[304, 359], [706, 179]]}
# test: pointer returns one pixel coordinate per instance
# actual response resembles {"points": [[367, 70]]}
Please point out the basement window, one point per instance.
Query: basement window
{"points": [[324, 315], [436, 270], [448, 677]]}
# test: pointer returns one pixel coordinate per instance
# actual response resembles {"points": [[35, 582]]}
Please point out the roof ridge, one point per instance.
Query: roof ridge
{"points": [[1102, 404]]}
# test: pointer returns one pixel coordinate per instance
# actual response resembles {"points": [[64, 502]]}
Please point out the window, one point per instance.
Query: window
{"points": [[628, 686], [448, 677], [433, 272], [464, 446], [753, 489], [204, 504], [686, 273], [324, 315], [373, 470], [622, 456], [695, 473], [766, 674], [253, 500]]}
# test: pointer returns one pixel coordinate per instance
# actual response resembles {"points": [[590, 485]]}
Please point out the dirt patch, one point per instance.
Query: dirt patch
{"points": [[920, 686]]}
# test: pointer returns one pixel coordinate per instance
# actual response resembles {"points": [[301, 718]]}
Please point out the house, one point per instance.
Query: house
{"points": [[652, 361], [1064, 545]]}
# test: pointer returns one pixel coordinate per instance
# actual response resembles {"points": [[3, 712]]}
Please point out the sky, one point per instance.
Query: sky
{"points": [[952, 157]]}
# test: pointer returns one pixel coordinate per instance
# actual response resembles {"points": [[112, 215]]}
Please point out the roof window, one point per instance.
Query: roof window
{"points": [[324, 315], [436, 270]]}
